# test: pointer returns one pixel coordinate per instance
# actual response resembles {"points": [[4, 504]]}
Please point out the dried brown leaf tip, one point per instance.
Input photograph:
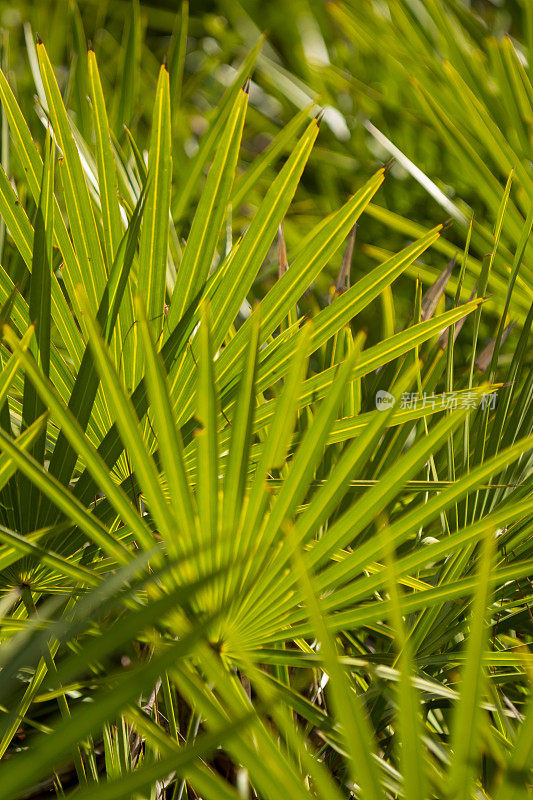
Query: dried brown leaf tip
{"points": [[283, 263], [431, 298], [443, 338], [246, 86], [485, 357], [342, 284], [320, 116]]}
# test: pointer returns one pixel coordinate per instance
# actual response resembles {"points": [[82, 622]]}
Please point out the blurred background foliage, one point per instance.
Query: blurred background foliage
{"points": [[377, 68]]}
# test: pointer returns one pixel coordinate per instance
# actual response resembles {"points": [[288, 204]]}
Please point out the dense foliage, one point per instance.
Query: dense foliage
{"points": [[266, 401]]}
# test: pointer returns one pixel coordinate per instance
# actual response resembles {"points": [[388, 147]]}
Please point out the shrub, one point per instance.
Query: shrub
{"points": [[252, 542]]}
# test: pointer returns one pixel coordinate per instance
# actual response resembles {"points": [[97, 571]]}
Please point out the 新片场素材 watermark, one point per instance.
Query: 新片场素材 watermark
{"points": [[448, 401]]}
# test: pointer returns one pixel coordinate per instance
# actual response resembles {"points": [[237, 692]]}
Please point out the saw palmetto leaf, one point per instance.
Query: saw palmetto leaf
{"points": [[265, 499]]}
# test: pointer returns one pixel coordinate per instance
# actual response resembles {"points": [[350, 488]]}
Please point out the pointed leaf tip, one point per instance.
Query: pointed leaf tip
{"points": [[342, 284], [38, 39], [246, 86], [484, 359], [431, 298], [320, 116], [388, 165]]}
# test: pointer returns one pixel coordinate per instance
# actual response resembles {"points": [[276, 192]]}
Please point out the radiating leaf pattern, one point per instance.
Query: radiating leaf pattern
{"points": [[265, 515]]}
